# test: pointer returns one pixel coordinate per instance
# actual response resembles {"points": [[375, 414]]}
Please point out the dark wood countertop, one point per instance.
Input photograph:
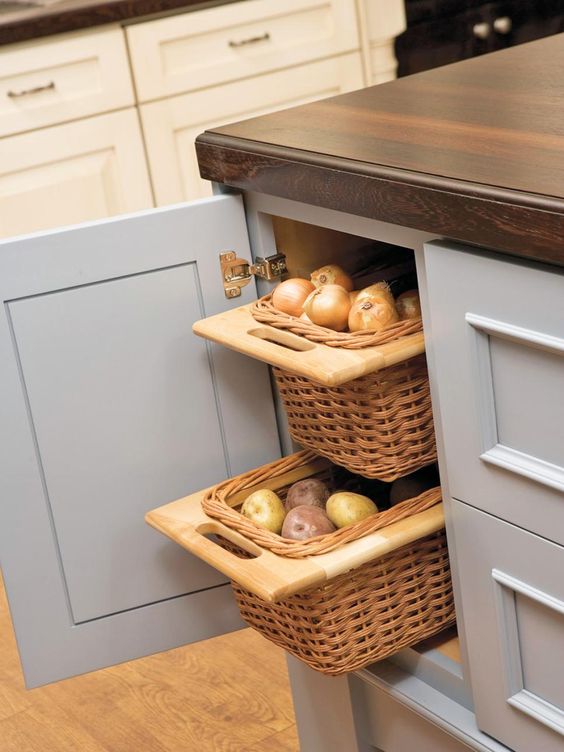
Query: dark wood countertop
{"points": [[472, 151], [70, 15]]}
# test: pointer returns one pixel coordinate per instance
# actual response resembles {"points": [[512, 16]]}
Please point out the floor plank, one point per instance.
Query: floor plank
{"points": [[229, 694]]}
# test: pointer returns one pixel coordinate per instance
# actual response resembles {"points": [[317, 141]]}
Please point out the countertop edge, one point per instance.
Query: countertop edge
{"points": [[513, 222]]}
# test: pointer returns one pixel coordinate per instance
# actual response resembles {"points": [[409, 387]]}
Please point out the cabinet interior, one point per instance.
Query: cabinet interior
{"points": [[308, 247]]}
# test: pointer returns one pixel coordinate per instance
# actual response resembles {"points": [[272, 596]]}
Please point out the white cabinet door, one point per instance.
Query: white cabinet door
{"points": [[73, 173], [171, 126], [110, 406]]}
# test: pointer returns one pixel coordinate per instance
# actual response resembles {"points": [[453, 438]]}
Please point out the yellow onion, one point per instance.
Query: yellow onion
{"points": [[332, 275], [329, 306], [379, 290], [409, 305], [353, 296], [372, 314], [290, 295]]}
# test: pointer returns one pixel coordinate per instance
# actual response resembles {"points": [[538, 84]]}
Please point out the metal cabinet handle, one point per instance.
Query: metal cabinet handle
{"points": [[251, 40], [481, 30], [35, 90], [503, 25]]}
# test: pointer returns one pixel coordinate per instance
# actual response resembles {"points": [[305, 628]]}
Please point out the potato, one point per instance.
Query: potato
{"points": [[265, 508], [345, 508], [306, 522], [308, 492]]}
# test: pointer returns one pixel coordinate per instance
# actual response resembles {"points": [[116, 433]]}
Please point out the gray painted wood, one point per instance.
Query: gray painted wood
{"points": [[396, 711], [497, 342], [513, 596], [323, 709], [110, 406]]}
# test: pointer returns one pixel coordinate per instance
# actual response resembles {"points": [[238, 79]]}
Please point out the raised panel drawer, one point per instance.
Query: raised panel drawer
{"points": [[171, 125], [498, 356], [235, 41], [62, 78], [512, 597]]}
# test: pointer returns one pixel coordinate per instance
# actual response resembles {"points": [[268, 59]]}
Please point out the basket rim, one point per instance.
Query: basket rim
{"points": [[264, 312], [215, 504]]}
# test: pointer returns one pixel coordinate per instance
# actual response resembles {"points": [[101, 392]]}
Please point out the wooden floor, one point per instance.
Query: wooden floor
{"points": [[230, 694]]}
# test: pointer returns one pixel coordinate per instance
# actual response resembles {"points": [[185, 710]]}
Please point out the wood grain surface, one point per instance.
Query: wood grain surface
{"points": [[230, 694], [70, 15], [472, 151]]}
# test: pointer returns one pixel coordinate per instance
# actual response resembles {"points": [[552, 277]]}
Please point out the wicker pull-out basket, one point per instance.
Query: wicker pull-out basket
{"points": [[362, 594], [325, 364], [364, 406]]}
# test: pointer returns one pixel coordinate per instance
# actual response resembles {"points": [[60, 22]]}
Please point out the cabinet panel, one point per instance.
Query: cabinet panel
{"points": [[513, 599], [498, 342], [61, 78], [110, 405], [171, 126], [235, 41], [72, 173]]}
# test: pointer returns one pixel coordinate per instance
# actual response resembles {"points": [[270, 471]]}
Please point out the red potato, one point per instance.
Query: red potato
{"points": [[308, 492], [306, 522]]}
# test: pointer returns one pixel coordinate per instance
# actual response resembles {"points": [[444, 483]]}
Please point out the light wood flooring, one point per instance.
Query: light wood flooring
{"points": [[229, 694]]}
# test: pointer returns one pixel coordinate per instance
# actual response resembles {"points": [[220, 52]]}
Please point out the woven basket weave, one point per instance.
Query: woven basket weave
{"points": [[359, 617], [364, 615], [379, 426], [264, 312], [216, 505]]}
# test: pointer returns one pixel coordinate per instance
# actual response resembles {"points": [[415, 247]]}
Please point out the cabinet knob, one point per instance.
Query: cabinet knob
{"points": [[481, 30], [503, 25]]}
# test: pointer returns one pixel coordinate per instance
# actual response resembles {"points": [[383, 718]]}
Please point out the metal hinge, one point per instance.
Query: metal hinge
{"points": [[237, 272]]}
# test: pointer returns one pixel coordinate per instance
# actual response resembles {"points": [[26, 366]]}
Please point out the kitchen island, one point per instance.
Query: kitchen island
{"points": [[472, 155], [462, 165]]}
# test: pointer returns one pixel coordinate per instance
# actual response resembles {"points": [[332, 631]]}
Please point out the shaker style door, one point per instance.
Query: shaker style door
{"points": [[498, 348], [110, 406]]}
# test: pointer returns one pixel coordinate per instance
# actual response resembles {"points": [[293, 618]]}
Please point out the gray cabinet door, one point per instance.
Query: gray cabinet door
{"points": [[512, 592], [110, 406], [498, 350]]}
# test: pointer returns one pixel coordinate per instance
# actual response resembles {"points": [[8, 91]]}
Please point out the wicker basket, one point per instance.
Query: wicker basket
{"points": [[365, 613], [379, 426]]}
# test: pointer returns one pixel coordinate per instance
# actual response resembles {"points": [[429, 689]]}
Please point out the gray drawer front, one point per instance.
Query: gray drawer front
{"points": [[512, 593], [498, 352]]}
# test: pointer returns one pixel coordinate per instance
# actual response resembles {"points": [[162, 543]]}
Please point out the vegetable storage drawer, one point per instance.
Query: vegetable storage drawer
{"points": [[362, 400], [336, 601]]}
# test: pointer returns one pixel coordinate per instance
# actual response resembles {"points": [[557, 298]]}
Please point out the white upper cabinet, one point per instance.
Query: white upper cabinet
{"points": [[61, 78], [209, 47]]}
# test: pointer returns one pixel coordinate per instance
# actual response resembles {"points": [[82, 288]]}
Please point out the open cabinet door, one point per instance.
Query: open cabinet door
{"points": [[110, 406]]}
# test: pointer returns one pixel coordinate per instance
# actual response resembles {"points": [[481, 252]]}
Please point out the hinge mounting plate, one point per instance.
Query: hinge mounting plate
{"points": [[237, 272]]}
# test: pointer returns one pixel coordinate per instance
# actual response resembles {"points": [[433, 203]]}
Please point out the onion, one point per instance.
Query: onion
{"points": [[353, 296], [329, 306], [290, 295], [409, 305], [372, 314], [332, 275], [377, 291]]}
